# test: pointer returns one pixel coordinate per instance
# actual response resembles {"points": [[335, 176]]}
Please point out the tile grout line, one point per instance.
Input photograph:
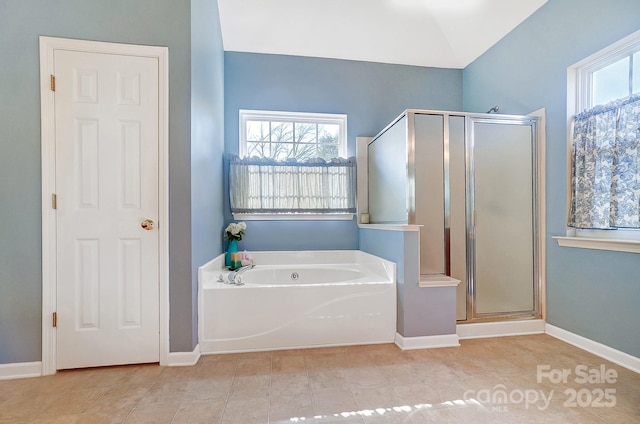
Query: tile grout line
{"points": [[270, 387], [233, 378], [311, 396]]}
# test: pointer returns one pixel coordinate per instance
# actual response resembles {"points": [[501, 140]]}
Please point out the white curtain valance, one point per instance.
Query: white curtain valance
{"points": [[260, 185]]}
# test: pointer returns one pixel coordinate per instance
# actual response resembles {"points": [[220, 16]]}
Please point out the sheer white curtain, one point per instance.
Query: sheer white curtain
{"points": [[258, 185]]}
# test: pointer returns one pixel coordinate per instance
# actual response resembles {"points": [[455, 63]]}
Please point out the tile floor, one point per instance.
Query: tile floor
{"points": [[483, 381]]}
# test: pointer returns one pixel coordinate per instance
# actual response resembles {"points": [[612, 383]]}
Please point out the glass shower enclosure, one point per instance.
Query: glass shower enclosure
{"points": [[470, 182]]}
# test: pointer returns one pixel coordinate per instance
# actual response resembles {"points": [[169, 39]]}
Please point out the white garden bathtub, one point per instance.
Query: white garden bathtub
{"points": [[298, 299]]}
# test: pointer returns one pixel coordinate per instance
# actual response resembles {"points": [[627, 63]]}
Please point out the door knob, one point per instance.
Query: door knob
{"points": [[147, 224]]}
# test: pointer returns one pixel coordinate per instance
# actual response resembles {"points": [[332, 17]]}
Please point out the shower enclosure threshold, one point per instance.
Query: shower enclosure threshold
{"points": [[480, 330]]}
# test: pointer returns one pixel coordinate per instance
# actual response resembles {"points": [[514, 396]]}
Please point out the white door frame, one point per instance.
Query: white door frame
{"points": [[47, 102]]}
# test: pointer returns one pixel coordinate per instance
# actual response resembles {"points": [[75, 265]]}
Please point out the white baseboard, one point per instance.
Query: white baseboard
{"points": [[20, 370], [599, 349], [213, 348], [500, 329], [426, 342], [184, 359]]}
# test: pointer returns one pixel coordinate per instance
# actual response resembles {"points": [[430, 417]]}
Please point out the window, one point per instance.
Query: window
{"points": [[604, 144], [611, 75], [288, 135], [292, 166]]}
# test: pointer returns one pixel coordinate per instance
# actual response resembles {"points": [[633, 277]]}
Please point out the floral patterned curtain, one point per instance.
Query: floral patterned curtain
{"points": [[259, 185], [605, 187]]}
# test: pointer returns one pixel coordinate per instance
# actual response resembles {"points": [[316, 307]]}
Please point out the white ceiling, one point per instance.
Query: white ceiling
{"points": [[436, 33]]}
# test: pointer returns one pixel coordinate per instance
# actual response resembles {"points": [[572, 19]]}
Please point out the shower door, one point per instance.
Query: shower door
{"points": [[501, 218]]}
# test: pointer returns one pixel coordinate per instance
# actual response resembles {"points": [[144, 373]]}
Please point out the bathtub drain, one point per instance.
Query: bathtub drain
{"points": [[294, 276]]}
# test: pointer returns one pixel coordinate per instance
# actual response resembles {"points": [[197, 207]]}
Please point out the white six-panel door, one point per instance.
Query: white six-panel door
{"points": [[106, 137]]}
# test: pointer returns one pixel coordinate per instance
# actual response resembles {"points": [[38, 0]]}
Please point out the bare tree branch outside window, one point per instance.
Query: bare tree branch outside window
{"points": [[282, 140]]}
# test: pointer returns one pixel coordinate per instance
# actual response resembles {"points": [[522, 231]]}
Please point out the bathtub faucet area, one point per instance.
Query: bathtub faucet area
{"points": [[234, 276]]}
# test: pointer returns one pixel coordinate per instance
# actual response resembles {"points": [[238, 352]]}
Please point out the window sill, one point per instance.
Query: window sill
{"points": [[293, 217], [390, 227], [632, 246]]}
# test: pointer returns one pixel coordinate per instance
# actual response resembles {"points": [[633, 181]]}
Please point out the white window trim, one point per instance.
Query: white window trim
{"points": [[316, 118], [578, 95], [605, 57], [326, 118]]}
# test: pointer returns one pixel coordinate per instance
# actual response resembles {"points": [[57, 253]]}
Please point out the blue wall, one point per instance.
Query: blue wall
{"points": [[394, 246], [195, 214], [592, 293], [371, 94], [207, 146], [421, 311], [589, 292], [150, 22]]}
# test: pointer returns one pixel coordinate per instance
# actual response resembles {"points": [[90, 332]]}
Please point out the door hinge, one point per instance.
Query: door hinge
{"points": [[53, 82], [55, 319], [54, 201]]}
